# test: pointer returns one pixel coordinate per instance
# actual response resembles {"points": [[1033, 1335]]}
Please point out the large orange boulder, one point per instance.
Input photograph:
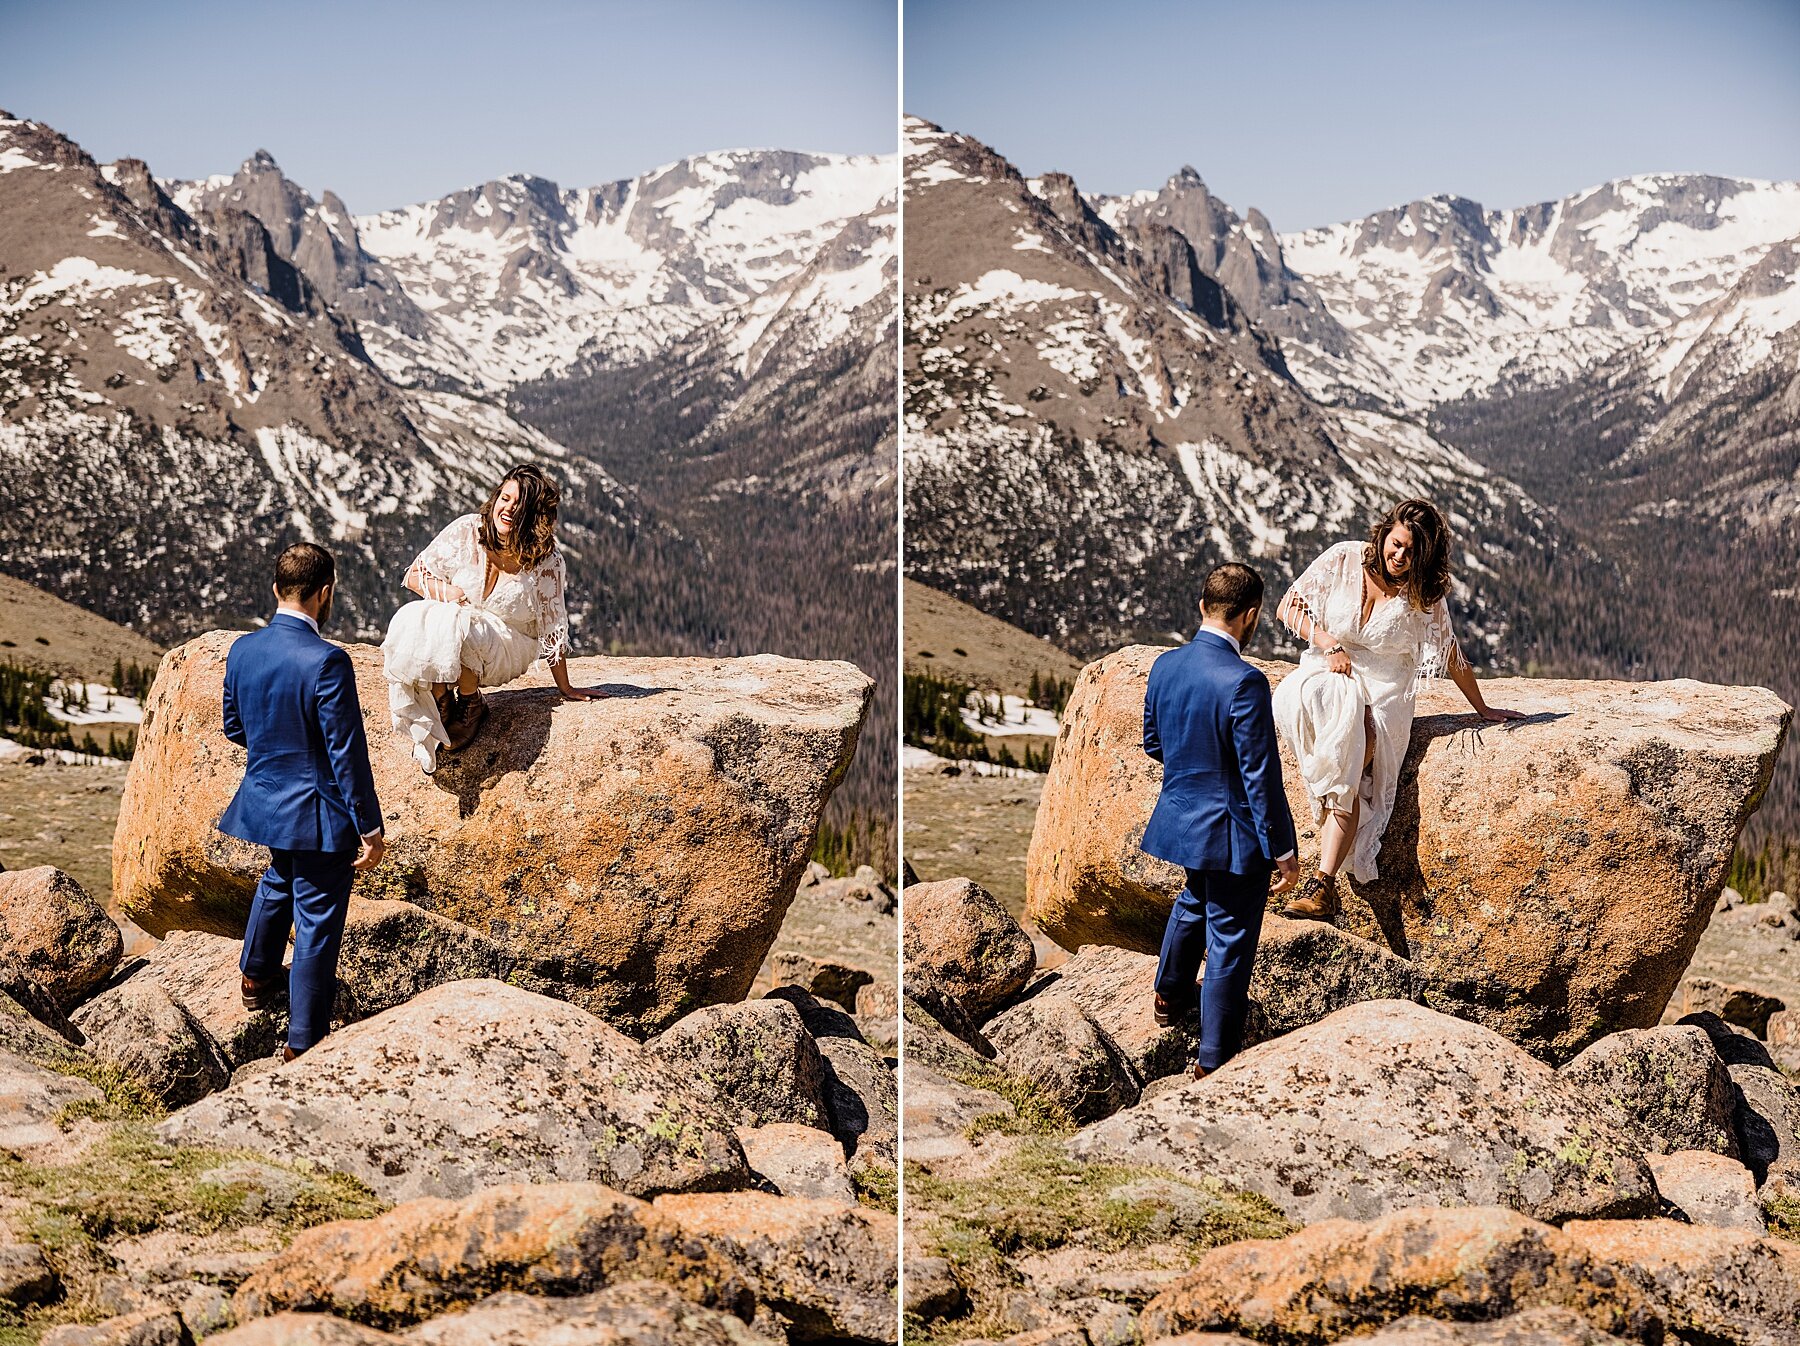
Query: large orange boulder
{"points": [[1644, 1280], [1550, 877], [431, 1256], [652, 840]]}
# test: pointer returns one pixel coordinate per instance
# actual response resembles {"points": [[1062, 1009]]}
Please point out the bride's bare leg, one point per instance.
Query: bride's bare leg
{"points": [[1335, 836], [468, 682]]}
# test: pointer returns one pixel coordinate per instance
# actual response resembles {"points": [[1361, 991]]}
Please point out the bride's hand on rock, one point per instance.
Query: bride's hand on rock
{"points": [[1494, 714], [582, 693]]}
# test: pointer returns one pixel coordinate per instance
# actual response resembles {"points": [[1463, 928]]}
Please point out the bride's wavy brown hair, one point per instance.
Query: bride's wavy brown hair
{"points": [[534, 523], [1429, 578]]}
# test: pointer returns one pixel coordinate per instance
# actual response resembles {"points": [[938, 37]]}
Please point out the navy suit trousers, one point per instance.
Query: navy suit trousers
{"points": [[1216, 918], [307, 892]]}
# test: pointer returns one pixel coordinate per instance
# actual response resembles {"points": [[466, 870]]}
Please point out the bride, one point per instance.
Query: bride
{"points": [[1376, 623], [490, 606]]}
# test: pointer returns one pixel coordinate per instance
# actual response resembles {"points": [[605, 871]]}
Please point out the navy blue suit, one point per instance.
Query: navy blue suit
{"points": [[308, 794], [1222, 815]]}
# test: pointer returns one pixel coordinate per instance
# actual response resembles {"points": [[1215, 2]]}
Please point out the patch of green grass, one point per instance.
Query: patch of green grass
{"points": [[124, 1097], [132, 1182], [1782, 1213], [1035, 1113], [877, 1186], [1039, 1198]]}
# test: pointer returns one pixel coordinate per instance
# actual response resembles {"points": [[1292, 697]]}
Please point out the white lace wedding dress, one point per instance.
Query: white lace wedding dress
{"points": [[1320, 713], [523, 620]]}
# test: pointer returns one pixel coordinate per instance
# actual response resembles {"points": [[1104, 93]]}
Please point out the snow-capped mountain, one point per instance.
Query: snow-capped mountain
{"points": [[1092, 419], [1442, 299], [519, 279], [177, 400]]}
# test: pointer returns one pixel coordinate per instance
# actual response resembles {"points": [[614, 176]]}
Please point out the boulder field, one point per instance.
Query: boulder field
{"points": [[641, 850], [1549, 878], [1368, 1168]]}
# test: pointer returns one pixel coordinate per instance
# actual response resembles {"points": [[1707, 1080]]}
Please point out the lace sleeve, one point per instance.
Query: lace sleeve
{"points": [[1311, 593], [450, 550], [548, 582], [1437, 653]]}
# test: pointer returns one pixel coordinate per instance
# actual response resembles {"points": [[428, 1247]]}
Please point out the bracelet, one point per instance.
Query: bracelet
{"points": [[1335, 649]]}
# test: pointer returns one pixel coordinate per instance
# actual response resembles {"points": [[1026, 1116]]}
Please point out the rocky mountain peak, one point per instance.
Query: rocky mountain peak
{"points": [[132, 177], [936, 155], [42, 144], [1447, 223], [1241, 259], [1059, 192], [1688, 199]]}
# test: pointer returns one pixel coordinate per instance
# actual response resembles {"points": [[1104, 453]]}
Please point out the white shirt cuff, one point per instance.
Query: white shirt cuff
{"points": [[1285, 855]]}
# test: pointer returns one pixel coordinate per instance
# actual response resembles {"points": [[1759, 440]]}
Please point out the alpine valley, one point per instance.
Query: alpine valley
{"points": [[195, 373], [1105, 396]]}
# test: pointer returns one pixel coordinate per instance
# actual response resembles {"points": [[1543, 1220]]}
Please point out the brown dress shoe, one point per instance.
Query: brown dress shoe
{"points": [[465, 720], [1317, 900], [1166, 1014], [260, 995], [1200, 1072], [288, 1054]]}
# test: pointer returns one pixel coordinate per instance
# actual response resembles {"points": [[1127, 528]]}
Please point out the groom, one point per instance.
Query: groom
{"points": [[308, 793], [1222, 814]]}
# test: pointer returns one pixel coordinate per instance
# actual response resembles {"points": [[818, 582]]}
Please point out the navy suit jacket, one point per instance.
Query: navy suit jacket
{"points": [[1208, 720], [290, 700]]}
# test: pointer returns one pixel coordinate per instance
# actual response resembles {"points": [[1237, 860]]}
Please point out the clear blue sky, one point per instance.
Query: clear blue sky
{"points": [[388, 103], [1317, 112]]}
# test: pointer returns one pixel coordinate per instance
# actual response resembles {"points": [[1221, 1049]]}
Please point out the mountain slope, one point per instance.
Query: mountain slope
{"points": [[179, 402], [1082, 445], [39, 630], [946, 637]]}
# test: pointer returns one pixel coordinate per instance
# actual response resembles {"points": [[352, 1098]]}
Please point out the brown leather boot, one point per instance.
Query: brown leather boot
{"points": [[465, 720], [1317, 900]]}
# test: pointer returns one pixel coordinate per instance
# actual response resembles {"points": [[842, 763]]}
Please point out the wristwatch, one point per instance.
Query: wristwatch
{"points": [[1335, 649]]}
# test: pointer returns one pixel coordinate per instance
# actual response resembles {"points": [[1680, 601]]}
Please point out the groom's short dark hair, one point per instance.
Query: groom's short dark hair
{"points": [[1230, 591], [302, 570]]}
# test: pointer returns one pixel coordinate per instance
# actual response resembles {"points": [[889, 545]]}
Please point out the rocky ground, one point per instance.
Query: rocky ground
{"points": [[471, 1156], [1394, 1157]]}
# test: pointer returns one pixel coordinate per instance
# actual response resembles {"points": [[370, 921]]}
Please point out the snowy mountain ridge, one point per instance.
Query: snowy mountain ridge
{"points": [[1441, 299], [518, 279]]}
